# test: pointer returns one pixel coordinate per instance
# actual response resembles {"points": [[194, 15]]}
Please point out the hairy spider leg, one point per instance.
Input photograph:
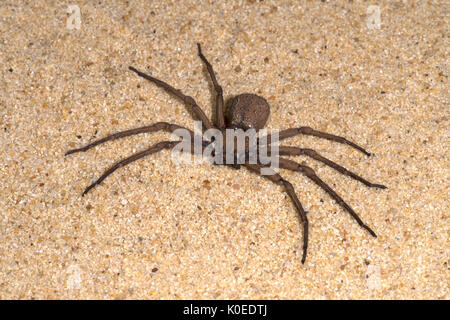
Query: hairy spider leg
{"points": [[309, 172], [220, 116], [151, 128], [186, 99], [295, 151], [153, 149], [289, 189], [287, 133]]}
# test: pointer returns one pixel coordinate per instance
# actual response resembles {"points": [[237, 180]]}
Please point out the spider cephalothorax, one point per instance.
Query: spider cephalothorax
{"points": [[245, 111]]}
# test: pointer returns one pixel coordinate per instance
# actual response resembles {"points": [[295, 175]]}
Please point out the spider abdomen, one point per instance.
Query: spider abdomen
{"points": [[248, 111]]}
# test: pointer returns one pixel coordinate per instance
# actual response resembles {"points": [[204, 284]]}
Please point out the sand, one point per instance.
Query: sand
{"points": [[155, 230]]}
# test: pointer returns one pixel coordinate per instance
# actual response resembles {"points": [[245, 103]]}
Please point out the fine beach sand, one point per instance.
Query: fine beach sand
{"points": [[154, 230]]}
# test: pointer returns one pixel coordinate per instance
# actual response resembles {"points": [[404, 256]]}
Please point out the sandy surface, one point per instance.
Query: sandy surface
{"points": [[154, 230]]}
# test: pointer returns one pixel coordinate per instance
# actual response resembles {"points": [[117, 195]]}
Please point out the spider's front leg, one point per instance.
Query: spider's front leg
{"points": [[309, 172], [289, 189], [295, 151], [287, 133]]}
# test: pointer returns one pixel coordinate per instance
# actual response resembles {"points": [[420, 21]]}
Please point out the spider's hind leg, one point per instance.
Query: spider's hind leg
{"points": [[153, 149], [122, 134], [185, 98], [220, 120]]}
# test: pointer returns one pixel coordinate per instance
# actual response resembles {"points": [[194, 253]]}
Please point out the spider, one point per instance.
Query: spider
{"points": [[245, 111]]}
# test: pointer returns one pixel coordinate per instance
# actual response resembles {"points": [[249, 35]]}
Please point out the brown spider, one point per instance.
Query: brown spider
{"points": [[245, 111]]}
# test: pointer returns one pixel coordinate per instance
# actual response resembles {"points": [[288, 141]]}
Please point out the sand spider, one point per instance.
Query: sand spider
{"points": [[245, 111]]}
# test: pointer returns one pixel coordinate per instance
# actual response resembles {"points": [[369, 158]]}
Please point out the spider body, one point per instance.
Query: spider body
{"points": [[246, 111]]}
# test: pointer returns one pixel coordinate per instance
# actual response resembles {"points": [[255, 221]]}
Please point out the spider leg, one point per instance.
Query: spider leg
{"points": [[151, 128], [186, 99], [153, 149], [309, 172], [289, 189], [285, 150], [287, 133], [220, 120]]}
